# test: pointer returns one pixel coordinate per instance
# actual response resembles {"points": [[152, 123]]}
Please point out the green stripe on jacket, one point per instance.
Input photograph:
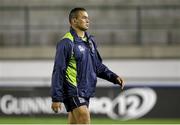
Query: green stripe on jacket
{"points": [[71, 71]]}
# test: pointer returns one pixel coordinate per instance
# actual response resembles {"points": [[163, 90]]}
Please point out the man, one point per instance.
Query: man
{"points": [[76, 68]]}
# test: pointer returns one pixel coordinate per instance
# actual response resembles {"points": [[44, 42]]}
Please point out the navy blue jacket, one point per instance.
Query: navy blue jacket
{"points": [[76, 68]]}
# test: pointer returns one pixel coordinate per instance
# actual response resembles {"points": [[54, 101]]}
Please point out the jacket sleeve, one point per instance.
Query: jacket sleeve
{"points": [[104, 72], [63, 53]]}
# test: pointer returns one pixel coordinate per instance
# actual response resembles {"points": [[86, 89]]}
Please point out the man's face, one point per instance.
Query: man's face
{"points": [[82, 21]]}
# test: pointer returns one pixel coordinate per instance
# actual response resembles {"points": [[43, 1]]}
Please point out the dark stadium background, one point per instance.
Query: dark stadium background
{"points": [[138, 39]]}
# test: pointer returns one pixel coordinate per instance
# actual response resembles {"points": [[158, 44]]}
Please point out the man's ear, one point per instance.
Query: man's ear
{"points": [[74, 21]]}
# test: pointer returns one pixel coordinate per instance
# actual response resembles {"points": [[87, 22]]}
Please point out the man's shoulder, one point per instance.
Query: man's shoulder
{"points": [[67, 38], [93, 40], [64, 42]]}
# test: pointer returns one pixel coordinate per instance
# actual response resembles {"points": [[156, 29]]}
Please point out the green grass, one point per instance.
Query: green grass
{"points": [[63, 120]]}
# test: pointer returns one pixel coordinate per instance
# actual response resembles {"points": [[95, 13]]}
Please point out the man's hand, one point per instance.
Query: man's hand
{"points": [[56, 106], [120, 82]]}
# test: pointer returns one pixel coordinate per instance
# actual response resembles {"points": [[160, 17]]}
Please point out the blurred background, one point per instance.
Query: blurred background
{"points": [[137, 39]]}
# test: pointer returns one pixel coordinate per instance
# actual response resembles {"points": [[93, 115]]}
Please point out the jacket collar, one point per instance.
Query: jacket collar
{"points": [[76, 38]]}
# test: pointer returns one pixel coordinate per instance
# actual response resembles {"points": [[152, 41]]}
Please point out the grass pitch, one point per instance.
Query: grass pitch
{"points": [[63, 120]]}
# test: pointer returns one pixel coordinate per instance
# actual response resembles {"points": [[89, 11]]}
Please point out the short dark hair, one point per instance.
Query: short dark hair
{"points": [[74, 12]]}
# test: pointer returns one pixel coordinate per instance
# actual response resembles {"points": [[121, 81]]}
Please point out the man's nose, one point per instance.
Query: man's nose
{"points": [[87, 20]]}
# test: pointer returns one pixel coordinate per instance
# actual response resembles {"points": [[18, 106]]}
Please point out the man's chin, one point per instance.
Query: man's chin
{"points": [[84, 29]]}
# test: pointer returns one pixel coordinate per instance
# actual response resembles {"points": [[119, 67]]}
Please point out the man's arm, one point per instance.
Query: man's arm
{"points": [[107, 74], [63, 52]]}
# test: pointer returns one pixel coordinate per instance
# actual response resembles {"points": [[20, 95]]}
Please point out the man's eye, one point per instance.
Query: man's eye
{"points": [[85, 17]]}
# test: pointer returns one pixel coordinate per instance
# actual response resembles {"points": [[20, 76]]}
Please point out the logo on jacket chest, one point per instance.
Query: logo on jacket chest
{"points": [[81, 48]]}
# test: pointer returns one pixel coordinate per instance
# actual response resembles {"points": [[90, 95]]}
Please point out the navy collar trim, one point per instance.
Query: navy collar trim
{"points": [[76, 38]]}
